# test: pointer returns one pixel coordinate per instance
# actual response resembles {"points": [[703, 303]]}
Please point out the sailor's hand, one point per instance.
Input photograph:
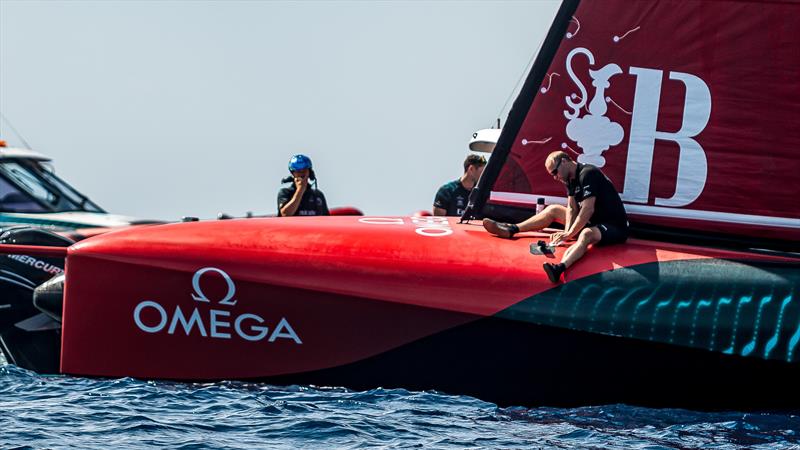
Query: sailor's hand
{"points": [[558, 237], [300, 183]]}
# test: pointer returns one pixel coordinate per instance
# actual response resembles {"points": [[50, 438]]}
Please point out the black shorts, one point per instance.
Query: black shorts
{"points": [[611, 233]]}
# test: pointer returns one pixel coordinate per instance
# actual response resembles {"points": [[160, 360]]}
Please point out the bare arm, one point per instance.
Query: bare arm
{"points": [[574, 222], [572, 211], [439, 211], [584, 214], [290, 207]]}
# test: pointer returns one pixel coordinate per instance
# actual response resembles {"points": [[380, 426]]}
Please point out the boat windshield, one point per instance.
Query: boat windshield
{"points": [[27, 187]]}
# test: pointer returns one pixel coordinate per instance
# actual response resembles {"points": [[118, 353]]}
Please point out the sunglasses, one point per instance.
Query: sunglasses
{"points": [[555, 169], [477, 160]]}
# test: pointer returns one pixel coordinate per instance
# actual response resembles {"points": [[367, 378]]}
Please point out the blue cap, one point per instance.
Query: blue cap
{"points": [[299, 162]]}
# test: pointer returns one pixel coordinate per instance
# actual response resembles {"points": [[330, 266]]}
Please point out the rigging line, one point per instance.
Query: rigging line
{"points": [[522, 76], [8, 122]]}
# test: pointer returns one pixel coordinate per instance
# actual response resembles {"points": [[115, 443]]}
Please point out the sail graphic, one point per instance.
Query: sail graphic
{"points": [[690, 108]]}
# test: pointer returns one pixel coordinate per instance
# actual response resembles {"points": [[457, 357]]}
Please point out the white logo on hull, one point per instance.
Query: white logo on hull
{"points": [[430, 226], [215, 322]]}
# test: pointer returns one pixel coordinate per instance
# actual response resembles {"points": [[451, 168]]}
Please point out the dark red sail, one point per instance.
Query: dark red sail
{"points": [[689, 107]]}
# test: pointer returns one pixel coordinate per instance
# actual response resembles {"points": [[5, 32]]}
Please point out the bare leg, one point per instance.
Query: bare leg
{"points": [[553, 213], [588, 236]]}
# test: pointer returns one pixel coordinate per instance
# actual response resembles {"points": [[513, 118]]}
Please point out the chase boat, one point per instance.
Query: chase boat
{"points": [[31, 194], [699, 309]]}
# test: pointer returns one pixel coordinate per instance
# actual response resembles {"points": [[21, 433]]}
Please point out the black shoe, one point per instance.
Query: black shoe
{"points": [[503, 230], [554, 271]]}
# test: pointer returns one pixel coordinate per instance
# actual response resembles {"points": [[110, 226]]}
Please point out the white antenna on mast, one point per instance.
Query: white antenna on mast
{"points": [[14, 130]]}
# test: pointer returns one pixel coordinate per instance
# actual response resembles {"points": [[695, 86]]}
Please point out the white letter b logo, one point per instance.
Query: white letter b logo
{"points": [[692, 163]]}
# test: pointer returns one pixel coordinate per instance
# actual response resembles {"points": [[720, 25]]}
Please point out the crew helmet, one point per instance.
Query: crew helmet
{"points": [[299, 162]]}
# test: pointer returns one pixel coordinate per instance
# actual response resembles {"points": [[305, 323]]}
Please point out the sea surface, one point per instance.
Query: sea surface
{"points": [[70, 412]]}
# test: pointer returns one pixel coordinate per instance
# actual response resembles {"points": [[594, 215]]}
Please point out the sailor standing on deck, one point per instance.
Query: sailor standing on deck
{"points": [[594, 213], [451, 198], [298, 199]]}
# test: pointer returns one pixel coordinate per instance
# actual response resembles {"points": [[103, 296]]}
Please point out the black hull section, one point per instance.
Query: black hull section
{"points": [[39, 351], [515, 363], [28, 338]]}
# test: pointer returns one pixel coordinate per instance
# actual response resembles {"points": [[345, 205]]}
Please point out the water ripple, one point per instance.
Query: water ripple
{"points": [[72, 412]]}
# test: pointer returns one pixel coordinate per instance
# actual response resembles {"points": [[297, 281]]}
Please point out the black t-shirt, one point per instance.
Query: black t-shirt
{"points": [[312, 204], [591, 182], [452, 197]]}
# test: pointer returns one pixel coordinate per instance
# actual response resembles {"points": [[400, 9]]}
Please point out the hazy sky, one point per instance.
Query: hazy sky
{"points": [[164, 109]]}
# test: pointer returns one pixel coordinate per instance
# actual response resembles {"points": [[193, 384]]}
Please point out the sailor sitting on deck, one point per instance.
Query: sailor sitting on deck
{"points": [[451, 199], [594, 213], [298, 199]]}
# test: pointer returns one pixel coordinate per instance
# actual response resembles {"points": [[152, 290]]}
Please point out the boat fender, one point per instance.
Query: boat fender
{"points": [[48, 297]]}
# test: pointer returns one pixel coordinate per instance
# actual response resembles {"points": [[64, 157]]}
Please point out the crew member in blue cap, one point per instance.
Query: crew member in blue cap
{"points": [[300, 199]]}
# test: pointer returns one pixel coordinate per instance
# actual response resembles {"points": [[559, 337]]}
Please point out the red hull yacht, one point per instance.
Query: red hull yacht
{"points": [[689, 108]]}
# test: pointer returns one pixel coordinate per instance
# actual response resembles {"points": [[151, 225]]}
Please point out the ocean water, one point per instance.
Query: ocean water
{"points": [[70, 412]]}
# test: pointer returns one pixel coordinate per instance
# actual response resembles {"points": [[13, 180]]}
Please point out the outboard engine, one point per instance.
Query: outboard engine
{"points": [[30, 332]]}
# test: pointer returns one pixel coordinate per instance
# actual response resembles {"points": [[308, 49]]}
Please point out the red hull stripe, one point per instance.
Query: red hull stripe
{"points": [[35, 250]]}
